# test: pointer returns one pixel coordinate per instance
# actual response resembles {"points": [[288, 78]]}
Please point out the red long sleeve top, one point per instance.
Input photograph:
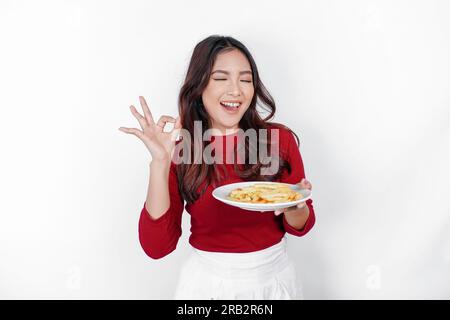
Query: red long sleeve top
{"points": [[216, 226]]}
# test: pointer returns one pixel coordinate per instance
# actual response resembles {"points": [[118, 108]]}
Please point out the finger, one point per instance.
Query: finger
{"points": [[176, 129], [147, 113], [134, 131], [301, 205], [278, 212], [177, 123], [283, 210], [163, 120], [290, 209], [308, 185], [142, 121]]}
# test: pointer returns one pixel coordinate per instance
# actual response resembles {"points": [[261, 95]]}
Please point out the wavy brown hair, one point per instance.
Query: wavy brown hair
{"points": [[190, 106]]}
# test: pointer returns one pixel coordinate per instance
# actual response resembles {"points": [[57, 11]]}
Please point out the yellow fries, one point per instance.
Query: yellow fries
{"points": [[265, 193]]}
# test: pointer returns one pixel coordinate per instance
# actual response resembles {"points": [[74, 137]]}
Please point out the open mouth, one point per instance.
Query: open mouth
{"points": [[231, 106]]}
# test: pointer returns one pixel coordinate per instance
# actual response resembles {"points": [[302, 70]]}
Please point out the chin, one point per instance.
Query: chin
{"points": [[230, 125]]}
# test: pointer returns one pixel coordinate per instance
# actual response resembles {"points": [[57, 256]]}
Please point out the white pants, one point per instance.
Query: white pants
{"points": [[258, 275]]}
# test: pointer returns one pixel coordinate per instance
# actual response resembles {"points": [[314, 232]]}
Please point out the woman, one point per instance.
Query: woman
{"points": [[236, 254]]}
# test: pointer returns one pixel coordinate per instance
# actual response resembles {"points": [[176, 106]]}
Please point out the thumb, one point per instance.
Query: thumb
{"points": [[305, 184]]}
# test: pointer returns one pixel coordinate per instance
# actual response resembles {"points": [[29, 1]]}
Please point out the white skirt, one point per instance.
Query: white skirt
{"points": [[267, 274]]}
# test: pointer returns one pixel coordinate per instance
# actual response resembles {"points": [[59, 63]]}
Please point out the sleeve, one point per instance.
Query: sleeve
{"points": [[160, 237], [297, 174]]}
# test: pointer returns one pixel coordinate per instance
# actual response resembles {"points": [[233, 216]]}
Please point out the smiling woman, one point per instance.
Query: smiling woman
{"points": [[230, 87], [221, 90], [236, 253]]}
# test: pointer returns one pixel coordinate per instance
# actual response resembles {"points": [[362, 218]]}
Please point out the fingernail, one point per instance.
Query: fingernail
{"points": [[277, 212]]}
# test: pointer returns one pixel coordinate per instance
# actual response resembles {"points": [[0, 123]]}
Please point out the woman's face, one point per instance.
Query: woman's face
{"points": [[229, 91]]}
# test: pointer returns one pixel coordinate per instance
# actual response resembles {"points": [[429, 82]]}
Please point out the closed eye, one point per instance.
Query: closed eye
{"points": [[248, 81]]}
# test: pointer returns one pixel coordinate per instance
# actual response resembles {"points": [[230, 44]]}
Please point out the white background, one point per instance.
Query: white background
{"points": [[365, 84]]}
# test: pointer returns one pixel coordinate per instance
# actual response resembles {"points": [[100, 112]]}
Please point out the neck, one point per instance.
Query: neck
{"points": [[224, 132]]}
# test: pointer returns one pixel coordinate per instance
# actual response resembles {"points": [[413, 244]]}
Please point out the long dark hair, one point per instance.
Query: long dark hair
{"points": [[190, 106]]}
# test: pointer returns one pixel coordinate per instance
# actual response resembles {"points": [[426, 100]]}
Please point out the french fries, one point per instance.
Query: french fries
{"points": [[264, 193]]}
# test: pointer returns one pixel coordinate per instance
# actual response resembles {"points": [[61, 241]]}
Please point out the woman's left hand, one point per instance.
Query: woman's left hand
{"points": [[304, 184]]}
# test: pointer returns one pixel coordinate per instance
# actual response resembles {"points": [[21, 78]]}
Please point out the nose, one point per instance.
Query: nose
{"points": [[234, 88]]}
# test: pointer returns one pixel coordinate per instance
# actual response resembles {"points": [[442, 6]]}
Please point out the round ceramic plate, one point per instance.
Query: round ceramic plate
{"points": [[221, 193]]}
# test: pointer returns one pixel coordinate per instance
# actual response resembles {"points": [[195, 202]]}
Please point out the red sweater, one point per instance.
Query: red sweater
{"points": [[216, 226]]}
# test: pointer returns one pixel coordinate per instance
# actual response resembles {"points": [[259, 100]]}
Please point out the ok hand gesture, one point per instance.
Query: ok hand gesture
{"points": [[160, 144]]}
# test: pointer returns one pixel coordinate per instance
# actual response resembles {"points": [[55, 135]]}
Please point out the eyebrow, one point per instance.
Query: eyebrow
{"points": [[226, 72]]}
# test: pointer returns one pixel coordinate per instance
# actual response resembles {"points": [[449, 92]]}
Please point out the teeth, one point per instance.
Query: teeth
{"points": [[229, 104]]}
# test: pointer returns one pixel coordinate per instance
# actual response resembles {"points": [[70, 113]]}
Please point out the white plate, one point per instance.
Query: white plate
{"points": [[222, 192]]}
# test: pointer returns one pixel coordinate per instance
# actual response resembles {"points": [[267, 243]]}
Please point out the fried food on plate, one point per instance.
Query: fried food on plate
{"points": [[265, 193]]}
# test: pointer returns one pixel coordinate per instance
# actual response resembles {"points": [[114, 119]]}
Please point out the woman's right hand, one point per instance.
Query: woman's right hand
{"points": [[160, 144]]}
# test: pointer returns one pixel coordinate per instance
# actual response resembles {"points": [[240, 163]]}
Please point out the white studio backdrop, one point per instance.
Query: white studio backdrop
{"points": [[365, 85]]}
